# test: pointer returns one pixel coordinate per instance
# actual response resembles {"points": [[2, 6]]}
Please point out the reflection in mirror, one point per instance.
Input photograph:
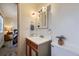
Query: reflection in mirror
{"points": [[42, 18]]}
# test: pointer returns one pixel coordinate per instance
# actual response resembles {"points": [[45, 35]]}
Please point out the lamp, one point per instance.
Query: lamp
{"points": [[33, 13], [7, 29]]}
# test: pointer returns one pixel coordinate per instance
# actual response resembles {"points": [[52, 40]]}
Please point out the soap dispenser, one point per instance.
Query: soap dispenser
{"points": [[31, 27]]}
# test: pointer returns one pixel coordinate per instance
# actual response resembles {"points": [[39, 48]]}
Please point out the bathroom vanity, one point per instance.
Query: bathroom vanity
{"points": [[36, 46]]}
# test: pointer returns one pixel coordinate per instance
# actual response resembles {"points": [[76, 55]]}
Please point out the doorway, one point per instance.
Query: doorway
{"points": [[10, 29]]}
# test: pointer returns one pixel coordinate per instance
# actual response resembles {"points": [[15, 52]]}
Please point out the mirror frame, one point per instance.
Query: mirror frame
{"points": [[43, 19]]}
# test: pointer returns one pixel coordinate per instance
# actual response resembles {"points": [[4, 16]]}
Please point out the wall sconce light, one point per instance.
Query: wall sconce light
{"points": [[33, 13], [8, 28]]}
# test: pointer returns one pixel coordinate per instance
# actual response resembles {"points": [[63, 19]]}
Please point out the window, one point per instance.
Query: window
{"points": [[1, 24]]}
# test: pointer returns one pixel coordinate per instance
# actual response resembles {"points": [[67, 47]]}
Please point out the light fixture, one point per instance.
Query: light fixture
{"points": [[33, 13], [8, 28]]}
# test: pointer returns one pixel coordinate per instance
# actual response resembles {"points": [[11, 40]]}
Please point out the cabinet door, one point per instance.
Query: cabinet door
{"points": [[30, 51], [31, 48]]}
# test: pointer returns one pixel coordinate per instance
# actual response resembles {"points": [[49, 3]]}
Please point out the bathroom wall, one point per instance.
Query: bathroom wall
{"points": [[25, 11], [65, 21]]}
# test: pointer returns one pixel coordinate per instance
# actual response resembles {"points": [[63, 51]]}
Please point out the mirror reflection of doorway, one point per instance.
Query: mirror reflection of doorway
{"points": [[10, 27]]}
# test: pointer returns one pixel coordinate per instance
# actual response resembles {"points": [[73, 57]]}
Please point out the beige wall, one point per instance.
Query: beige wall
{"points": [[24, 21]]}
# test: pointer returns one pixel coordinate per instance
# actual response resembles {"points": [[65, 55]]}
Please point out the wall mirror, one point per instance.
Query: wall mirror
{"points": [[42, 20]]}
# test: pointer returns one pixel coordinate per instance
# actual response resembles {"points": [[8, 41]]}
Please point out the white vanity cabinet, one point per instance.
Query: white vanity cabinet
{"points": [[34, 49]]}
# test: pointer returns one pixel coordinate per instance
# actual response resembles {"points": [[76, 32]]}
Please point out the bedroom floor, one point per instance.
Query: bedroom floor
{"points": [[8, 49]]}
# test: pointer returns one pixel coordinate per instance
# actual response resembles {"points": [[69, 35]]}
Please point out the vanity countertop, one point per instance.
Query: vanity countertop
{"points": [[38, 40]]}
